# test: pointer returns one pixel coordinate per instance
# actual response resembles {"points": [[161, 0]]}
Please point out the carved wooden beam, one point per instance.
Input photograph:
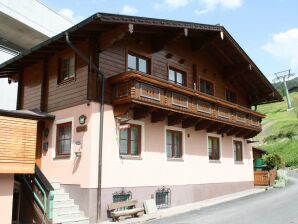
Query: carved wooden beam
{"points": [[159, 43], [120, 110], [204, 124], [224, 129], [242, 133], [108, 38], [139, 113], [175, 119], [233, 131], [251, 134], [214, 127], [158, 116], [189, 122], [233, 71], [198, 45]]}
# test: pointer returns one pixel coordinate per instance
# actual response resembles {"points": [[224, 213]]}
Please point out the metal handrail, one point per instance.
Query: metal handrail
{"points": [[39, 180]]}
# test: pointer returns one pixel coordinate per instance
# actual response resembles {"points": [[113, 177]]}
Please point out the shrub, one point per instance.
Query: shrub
{"points": [[273, 160]]}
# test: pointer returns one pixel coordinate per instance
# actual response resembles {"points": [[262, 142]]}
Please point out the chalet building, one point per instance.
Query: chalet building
{"points": [[138, 108]]}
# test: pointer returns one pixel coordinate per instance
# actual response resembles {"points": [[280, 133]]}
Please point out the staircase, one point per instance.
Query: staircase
{"points": [[65, 211]]}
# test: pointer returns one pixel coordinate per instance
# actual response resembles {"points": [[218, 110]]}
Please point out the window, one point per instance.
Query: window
{"points": [[137, 63], [130, 140], [174, 144], [213, 148], [177, 77], [206, 87], [238, 152], [163, 198], [63, 139], [121, 196], [231, 96], [67, 68]]}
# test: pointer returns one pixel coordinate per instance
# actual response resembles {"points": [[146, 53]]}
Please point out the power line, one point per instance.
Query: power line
{"points": [[283, 76]]}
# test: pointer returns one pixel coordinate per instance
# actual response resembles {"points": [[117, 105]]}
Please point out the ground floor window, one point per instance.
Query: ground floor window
{"points": [[174, 144], [121, 196], [163, 198], [130, 140], [63, 139], [213, 148], [238, 151]]}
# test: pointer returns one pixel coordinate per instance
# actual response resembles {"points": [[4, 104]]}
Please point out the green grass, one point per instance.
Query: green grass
{"points": [[280, 122]]}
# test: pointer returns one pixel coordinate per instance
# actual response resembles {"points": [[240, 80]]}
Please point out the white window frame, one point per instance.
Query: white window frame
{"points": [[142, 152], [173, 128], [220, 149], [54, 136], [243, 149]]}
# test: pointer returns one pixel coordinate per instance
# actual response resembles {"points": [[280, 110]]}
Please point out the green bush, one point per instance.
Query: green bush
{"points": [[280, 135], [273, 160]]}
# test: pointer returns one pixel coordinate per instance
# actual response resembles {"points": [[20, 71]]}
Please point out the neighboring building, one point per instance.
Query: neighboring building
{"points": [[24, 24], [293, 89], [176, 113]]}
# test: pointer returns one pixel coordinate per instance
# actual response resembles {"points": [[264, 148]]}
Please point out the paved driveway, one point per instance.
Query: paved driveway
{"points": [[277, 206]]}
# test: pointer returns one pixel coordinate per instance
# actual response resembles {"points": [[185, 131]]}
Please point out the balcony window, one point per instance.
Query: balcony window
{"points": [[238, 151], [176, 76], [213, 148], [231, 96], [206, 87], [137, 63], [130, 140], [174, 144], [63, 140], [67, 68]]}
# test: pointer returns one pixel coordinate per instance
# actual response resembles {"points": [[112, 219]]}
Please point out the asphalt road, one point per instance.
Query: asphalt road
{"points": [[276, 206]]}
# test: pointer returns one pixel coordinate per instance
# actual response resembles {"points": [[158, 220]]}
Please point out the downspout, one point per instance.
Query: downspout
{"points": [[102, 76]]}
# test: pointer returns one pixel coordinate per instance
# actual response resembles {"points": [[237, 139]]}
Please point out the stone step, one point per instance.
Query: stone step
{"points": [[56, 185], [68, 215], [80, 220], [61, 196], [58, 203], [59, 191], [65, 208]]}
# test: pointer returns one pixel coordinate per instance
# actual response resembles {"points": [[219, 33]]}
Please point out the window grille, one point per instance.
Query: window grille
{"points": [[163, 198]]}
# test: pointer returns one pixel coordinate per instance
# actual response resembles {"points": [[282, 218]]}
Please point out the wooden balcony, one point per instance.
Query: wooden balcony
{"points": [[146, 94]]}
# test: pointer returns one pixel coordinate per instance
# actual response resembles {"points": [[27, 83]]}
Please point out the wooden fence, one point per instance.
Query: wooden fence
{"points": [[265, 178]]}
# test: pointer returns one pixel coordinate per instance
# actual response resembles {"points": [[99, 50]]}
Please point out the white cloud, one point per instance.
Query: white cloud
{"points": [[129, 10], [177, 3], [284, 46], [211, 5], [68, 13]]}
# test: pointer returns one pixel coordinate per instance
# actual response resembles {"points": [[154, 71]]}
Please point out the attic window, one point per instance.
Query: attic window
{"points": [[66, 68]]}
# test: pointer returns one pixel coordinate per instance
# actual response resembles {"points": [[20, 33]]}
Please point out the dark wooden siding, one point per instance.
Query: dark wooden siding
{"points": [[67, 94], [113, 61], [32, 86]]}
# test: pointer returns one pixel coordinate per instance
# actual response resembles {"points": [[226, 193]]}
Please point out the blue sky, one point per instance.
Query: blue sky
{"points": [[266, 29]]}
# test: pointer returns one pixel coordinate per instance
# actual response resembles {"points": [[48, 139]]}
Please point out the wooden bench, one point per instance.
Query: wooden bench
{"points": [[129, 209]]}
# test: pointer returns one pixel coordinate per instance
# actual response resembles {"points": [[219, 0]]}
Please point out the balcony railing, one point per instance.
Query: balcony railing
{"points": [[136, 88]]}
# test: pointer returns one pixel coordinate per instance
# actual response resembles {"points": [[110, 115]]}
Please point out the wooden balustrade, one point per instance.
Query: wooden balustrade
{"points": [[134, 88]]}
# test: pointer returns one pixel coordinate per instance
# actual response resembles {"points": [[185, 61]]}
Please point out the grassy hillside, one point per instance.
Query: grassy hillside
{"points": [[280, 130]]}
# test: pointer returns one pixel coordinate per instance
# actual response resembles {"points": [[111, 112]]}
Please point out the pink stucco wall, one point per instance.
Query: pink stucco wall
{"points": [[153, 169], [6, 197], [74, 170]]}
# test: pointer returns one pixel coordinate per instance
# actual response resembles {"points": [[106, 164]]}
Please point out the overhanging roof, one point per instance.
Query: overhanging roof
{"points": [[101, 22], [27, 114]]}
